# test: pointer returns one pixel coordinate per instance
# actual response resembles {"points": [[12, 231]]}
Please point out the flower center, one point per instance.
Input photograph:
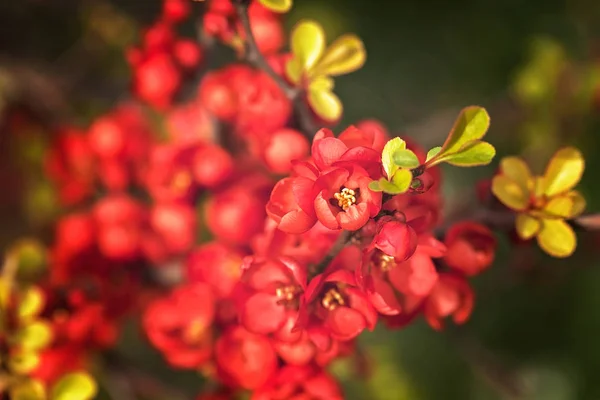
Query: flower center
{"points": [[386, 262], [332, 299], [181, 181], [288, 295], [345, 198], [195, 331]]}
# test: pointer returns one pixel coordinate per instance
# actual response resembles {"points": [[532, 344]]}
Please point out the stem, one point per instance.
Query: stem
{"points": [[254, 57], [341, 242]]}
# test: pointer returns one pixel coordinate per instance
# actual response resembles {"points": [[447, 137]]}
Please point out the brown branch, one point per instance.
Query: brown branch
{"points": [[341, 242], [253, 55]]}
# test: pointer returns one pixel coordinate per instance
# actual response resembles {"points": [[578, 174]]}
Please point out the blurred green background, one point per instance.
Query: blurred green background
{"points": [[535, 332]]}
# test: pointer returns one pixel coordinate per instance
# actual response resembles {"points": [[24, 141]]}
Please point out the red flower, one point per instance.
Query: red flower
{"points": [[119, 220], [69, 163], [237, 213], [245, 359], [332, 187], [285, 145], [274, 287], [451, 297], [168, 176], [471, 247], [217, 264], [395, 238], [180, 325], [299, 383], [399, 285], [59, 360], [333, 305], [308, 248], [172, 231], [344, 200]]}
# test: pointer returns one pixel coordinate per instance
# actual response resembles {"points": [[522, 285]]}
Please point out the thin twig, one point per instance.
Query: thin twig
{"points": [[341, 242], [253, 55]]}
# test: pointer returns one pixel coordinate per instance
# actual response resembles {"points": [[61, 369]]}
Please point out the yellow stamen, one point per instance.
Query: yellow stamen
{"points": [[345, 198], [386, 262], [332, 299], [287, 293]]}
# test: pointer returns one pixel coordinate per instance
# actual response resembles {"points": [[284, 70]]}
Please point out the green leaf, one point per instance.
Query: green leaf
{"points": [[433, 152], [374, 186], [74, 386], [400, 182], [471, 124], [473, 154], [402, 179], [387, 155], [405, 158]]}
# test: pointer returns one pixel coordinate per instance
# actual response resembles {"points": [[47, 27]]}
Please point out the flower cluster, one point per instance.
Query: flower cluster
{"points": [[255, 250]]}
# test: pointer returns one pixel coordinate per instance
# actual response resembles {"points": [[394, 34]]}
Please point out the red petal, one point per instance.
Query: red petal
{"points": [[296, 222], [354, 218], [327, 150], [262, 314], [325, 212], [383, 297], [345, 323], [304, 193]]}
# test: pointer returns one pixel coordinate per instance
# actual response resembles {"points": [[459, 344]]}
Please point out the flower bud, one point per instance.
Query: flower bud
{"points": [[285, 146], [471, 247], [396, 239]]}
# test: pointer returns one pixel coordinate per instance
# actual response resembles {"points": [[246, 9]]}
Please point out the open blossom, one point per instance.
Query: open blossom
{"points": [[332, 187], [452, 297], [180, 325], [334, 306], [273, 289], [398, 272], [299, 383], [245, 359], [470, 247]]}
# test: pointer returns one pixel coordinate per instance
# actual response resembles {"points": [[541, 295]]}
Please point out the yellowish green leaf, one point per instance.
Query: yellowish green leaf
{"points": [[471, 124], [387, 155], [579, 203], [510, 193], [374, 186], [74, 386], [557, 238], [400, 182], [28, 390], [279, 6], [33, 336], [405, 158], [566, 206], [402, 179], [432, 153], [564, 171], [23, 362], [517, 170], [31, 256], [325, 103], [293, 71], [346, 54], [307, 43], [527, 226], [31, 303], [472, 154]]}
